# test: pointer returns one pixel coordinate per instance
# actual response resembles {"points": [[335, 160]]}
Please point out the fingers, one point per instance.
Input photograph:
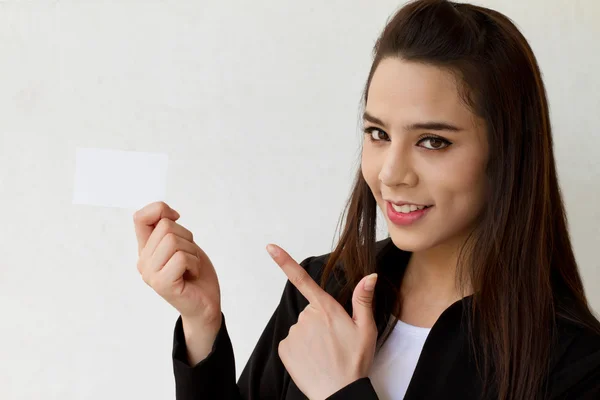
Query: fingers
{"points": [[167, 248], [146, 218], [299, 277], [163, 228], [176, 267]]}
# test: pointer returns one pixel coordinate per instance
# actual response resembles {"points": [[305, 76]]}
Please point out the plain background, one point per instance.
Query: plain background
{"points": [[257, 105]]}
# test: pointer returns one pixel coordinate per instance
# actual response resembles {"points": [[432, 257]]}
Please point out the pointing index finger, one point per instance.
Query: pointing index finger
{"points": [[298, 275]]}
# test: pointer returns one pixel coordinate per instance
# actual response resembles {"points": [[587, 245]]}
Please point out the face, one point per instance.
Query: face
{"points": [[423, 146]]}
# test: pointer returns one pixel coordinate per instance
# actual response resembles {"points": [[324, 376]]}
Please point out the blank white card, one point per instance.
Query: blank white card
{"points": [[117, 178]]}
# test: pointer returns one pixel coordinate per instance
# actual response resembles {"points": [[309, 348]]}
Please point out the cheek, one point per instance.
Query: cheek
{"points": [[461, 184]]}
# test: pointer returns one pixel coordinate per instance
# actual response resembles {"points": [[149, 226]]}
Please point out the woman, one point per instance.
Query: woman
{"points": [[478, 292]]}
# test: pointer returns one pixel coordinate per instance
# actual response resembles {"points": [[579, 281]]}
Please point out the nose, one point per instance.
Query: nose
{"points": [[397, 168]]}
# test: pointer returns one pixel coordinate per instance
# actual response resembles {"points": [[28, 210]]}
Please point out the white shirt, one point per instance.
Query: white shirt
{"points": [[395, 362]]}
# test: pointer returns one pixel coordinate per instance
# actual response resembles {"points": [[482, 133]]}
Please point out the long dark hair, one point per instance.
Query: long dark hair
{"points": [[521, 264]]}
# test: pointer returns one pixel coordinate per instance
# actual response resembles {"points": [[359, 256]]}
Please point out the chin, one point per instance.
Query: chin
{"points": [[410, 242]]}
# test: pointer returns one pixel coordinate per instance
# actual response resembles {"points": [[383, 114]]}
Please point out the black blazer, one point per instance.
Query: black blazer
{"points": [[445, 369]]}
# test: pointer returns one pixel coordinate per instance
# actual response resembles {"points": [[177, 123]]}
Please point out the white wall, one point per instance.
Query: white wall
{"points": [[256, 104]]}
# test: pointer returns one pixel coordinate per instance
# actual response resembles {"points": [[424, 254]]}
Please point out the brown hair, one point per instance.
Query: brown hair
{"points": [[521, 264]]}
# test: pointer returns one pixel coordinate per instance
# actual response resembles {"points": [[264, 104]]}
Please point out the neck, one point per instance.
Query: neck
{"points": [[430, 277]]}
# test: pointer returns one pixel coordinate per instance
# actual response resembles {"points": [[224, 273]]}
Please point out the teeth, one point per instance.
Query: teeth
{"points": [[407, 208]]}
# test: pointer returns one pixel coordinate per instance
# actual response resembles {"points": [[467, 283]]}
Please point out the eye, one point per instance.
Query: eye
{"points": [[370, 130], [435, 142]]}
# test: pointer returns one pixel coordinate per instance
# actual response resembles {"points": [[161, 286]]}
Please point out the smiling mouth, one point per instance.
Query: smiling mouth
{"points": [[408, 208]]}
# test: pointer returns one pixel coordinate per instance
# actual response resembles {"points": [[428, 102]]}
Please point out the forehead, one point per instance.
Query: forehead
{"points": [[405, 92]]}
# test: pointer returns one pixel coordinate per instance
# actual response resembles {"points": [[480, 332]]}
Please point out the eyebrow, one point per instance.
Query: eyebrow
{"points": [[429, 125]]}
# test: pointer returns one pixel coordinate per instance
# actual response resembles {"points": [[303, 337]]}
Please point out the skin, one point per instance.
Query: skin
{"points": [[401, 166]]}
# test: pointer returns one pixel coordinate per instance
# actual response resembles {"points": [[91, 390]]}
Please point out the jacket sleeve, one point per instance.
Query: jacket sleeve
{"points": [[211, 378], [264, 376], [361, 389]]}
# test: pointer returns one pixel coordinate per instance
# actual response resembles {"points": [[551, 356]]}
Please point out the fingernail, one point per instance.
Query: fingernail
{"points": [[273, 251], [370, 283]]}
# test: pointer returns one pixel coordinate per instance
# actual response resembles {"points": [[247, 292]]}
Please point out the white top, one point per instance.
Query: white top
{"points": [[395, 362]]}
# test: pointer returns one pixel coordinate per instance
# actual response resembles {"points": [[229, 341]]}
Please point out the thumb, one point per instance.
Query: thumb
{"points": [[362, 300]]}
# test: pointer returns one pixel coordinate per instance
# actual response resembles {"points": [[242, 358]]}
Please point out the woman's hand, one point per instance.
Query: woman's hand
{"points": [[175, 267], [326, 349]]}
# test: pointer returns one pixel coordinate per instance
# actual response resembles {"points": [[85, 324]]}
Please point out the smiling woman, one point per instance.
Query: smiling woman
{"points": [[493, 239], [478, 293]]}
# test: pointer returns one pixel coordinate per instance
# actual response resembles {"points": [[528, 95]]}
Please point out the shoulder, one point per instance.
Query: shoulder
{"points": [[575, 361]]}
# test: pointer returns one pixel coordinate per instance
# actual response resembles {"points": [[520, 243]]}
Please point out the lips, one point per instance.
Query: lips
{"points": [[401, 203], [404, 219]]}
